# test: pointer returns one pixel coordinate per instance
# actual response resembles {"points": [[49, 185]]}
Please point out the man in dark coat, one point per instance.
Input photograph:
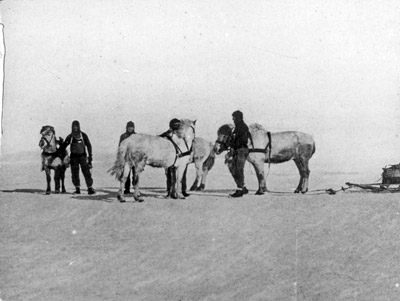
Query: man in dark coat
{"points": [[130, 129], [81, 155], [241, 135], [174, 125]]}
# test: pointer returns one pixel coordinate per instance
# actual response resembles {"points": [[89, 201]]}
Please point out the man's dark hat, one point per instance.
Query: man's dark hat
{"points": [[130, 124], [174, 123], [75, 123], [237, 114]]}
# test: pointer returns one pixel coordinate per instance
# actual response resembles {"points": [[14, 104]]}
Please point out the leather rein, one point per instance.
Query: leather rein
{"points": [[179, 152], [266, 150], [44, 153]]}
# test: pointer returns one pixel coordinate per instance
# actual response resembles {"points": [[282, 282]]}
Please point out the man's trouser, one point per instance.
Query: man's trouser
{"points": [[82, 161], [128, 179], [239, 159]]}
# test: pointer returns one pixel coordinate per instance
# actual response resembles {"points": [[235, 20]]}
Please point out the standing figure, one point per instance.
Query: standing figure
{"points": [[240, 137], [173, 126], [170, 172], [81, 155], [130, 129]]}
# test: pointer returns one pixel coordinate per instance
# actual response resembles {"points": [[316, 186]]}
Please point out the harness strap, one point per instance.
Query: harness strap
{"points": [[48, 142], [187, 153], [179, 153], [55, 154], [251, 139], [265, 150]]}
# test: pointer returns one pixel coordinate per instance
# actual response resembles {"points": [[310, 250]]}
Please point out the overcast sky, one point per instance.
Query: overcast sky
{"points": [[329, 68]]}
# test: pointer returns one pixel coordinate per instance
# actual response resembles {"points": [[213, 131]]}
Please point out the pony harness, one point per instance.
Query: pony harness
{"points": [[179, 153], [265, 150], [78, 146]]}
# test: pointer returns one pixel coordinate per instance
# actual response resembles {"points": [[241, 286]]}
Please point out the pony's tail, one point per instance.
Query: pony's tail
{"points": [[209, 163], [118, 168]]}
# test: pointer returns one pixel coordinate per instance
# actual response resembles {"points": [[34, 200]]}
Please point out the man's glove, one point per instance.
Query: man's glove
{"points": [[90, 162]]}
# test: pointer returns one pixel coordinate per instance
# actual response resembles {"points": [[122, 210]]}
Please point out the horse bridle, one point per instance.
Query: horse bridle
{"points": [[48, 142], [179, 153], [224, 142]]}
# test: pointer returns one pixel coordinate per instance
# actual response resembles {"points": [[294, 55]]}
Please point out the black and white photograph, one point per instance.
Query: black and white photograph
{"points": [[200, 150]]}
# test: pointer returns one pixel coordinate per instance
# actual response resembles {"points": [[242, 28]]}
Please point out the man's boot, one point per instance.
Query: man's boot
{"points": [[238, 193]]}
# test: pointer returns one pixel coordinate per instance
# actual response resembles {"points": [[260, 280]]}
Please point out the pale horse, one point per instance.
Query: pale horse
{"points": [[53, 159], [140, 150], [266, 147]]}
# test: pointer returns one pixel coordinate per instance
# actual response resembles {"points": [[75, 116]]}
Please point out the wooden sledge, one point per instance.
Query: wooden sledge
{"points": [[375, 187], [390, 181]]}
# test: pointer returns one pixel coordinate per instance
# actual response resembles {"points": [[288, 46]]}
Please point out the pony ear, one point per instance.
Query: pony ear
{"points": [[194, 122]]}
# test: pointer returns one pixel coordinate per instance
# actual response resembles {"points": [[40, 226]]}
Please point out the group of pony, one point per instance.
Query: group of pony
{"points": [[184, 148]]}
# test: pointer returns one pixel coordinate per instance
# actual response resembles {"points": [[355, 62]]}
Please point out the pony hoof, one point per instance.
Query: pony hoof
{"points": [[305, 191], [297, 191], [47, 192], [121, 199], [259, 192], [139, 199], [193, 188], [185, 194], [64, 191], [57, 191]]}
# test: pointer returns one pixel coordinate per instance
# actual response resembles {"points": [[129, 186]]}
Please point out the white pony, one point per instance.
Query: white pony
{"points": [[52, 159], [140, 150]]}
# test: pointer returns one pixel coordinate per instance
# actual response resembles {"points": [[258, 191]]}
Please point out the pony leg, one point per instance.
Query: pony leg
{"points": [[57, 172], [172, 191], [194, 185], [48, 179], [178, 180], [122, 180], [62, 178], [262, 184], [203, 178], [184, 193], [169, 174], [305, 177], [304, 172], [206, 167], [136, 174], [198, 175], [137, 195]]}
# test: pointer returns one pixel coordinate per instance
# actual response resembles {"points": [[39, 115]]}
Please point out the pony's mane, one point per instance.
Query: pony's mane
{"points": [[185, 123], [47, 128], [256, 127], [226, 129]]}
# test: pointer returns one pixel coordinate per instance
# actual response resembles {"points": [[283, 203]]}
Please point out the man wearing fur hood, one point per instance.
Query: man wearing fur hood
{"points": [[81, 155]]}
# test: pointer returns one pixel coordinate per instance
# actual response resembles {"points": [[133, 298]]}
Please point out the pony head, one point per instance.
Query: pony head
{"points": [[224, 139], [187, 129], [48, 140]]}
